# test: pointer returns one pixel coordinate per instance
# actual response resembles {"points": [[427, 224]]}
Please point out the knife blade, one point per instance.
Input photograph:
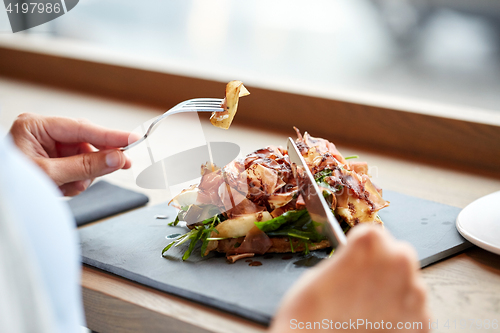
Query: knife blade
{"points": [[315, 202]]}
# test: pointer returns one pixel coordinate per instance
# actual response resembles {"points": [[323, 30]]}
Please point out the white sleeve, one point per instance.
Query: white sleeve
{"points": [[23, 304], [42, 265]]}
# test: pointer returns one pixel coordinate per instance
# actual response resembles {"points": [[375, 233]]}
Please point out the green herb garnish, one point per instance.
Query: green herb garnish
{"points": [[287, 217], [294, 223], [182, 211], [198, 233], [320, 176]]}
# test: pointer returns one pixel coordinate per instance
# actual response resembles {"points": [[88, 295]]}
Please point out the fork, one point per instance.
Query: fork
{"points": [[191, 105]]}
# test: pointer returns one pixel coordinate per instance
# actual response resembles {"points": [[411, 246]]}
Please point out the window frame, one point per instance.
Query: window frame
{"points": [[411, 129]]}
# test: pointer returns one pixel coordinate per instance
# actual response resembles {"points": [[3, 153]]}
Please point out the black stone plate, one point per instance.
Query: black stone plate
{"points": [[130, 246]]}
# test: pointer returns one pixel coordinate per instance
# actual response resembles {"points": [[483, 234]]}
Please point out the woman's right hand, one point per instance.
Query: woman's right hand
{"points": [[372, 279]]}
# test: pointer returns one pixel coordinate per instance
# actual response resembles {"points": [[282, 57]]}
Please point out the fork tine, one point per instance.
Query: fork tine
{"points": [[191, 105], [205, 102], [208, 102], [194, 100], [215, 105], [208, 99], [201, 109], [198, 100]]}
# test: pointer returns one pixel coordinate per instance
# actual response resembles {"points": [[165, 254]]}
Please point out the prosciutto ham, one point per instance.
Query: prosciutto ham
{"points": [[357, 199], [262, 180], [261, 186], [256, 241]]}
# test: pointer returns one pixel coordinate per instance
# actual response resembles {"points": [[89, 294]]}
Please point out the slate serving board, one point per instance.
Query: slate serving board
{"points": [[130, 246]]}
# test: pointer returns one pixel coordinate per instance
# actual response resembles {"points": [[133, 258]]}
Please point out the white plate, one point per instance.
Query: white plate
{"points": [[479, 222]]}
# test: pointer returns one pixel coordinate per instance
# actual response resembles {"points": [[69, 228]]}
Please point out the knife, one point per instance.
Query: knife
{"points": [[315, 202]]}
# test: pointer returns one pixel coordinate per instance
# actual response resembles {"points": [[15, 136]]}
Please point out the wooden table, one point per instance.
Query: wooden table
{"points": [[466, 286]]}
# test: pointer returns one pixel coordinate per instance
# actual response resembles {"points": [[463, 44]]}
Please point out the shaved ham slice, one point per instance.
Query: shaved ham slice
{"points": [[373, 195], [300, 203], [361, 168], [323, 146], [208, 188], [234, 174], [342, 197], [236, 203], [230, 197], [256, 241], [261, 180], [379, 189], [278, 200]]}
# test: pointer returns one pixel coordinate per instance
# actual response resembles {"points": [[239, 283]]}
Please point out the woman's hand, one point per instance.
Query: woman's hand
{"points": [[66, 149], [373, 278]]}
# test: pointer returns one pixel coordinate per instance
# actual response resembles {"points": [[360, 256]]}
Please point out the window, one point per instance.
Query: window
{"points": [[410, 77], [444, 51]]}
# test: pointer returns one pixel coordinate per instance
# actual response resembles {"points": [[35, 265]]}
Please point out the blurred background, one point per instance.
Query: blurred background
{"points": [[441, 50]]}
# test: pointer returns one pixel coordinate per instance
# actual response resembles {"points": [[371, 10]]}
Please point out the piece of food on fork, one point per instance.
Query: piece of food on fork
{"points": [[234, 90], [223, 111]]}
